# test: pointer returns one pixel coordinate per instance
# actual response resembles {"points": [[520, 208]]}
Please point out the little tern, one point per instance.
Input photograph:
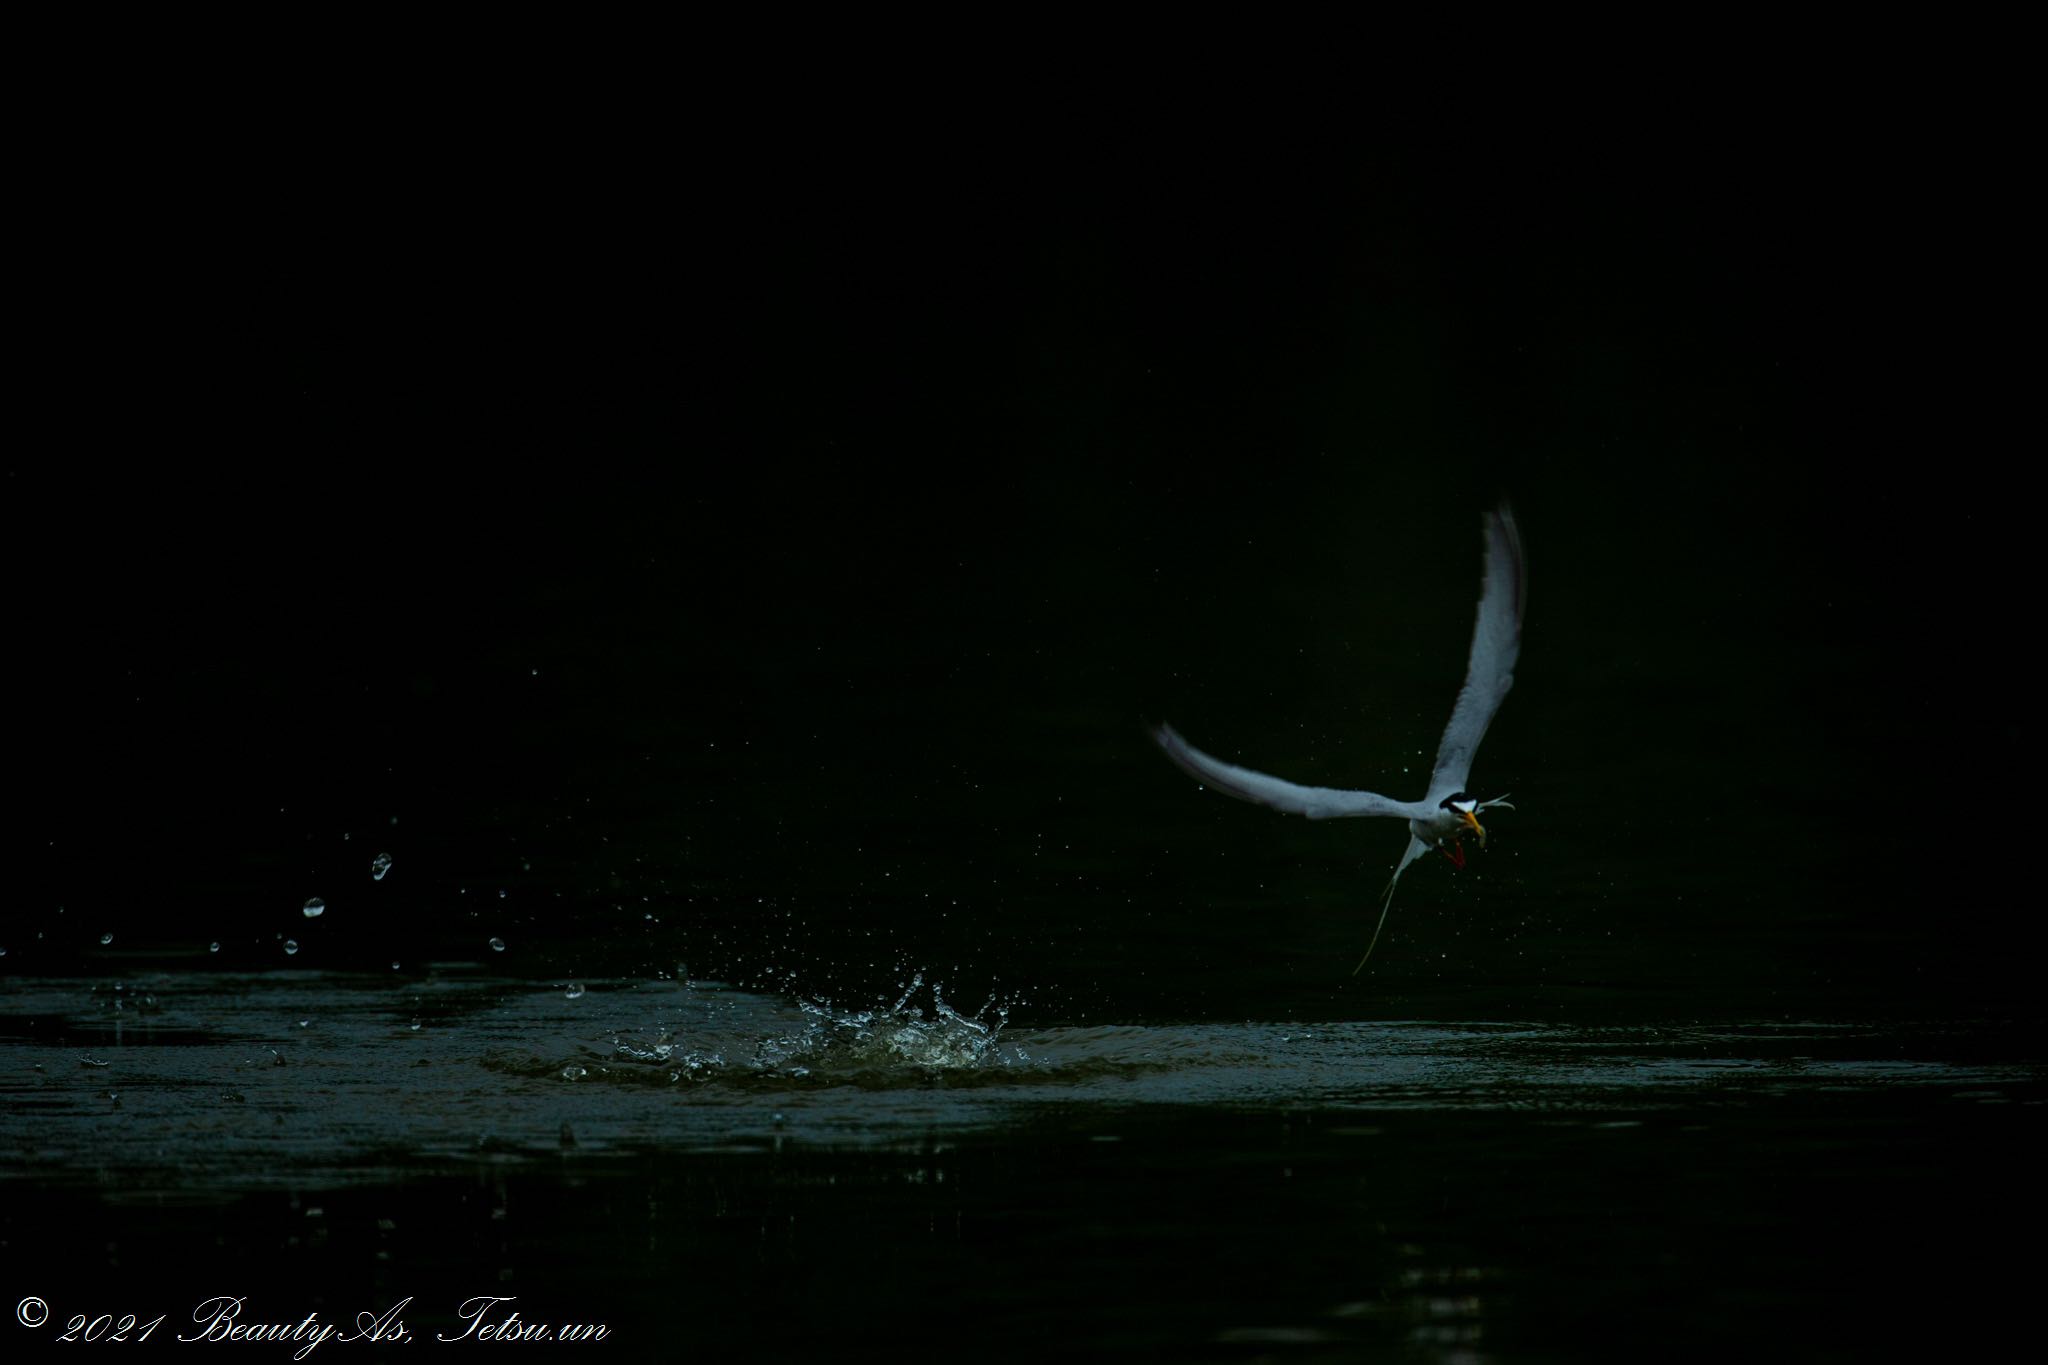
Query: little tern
{"points": [[1443, 816]]}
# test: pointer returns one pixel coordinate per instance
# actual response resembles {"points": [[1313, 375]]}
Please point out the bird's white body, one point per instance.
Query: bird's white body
{"points": [[1438, 828], [1445, 812]]}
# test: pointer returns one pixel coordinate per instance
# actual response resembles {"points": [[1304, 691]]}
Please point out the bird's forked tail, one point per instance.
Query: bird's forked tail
{"points": [[1415, 850]]}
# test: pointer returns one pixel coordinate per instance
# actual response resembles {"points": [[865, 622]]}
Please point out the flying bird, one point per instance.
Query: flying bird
{"points": [[1446, 813]]}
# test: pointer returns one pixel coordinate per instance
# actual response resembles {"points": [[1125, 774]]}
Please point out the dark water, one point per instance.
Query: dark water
{"points": [[746, 605], [684, 1161]]}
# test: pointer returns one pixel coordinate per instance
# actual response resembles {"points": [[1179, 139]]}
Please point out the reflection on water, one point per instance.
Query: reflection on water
{"points": [[790, 1176]]}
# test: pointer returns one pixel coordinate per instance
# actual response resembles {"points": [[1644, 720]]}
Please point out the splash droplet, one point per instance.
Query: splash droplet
{"points": [[573, 1073], [105, 939], [291, 946], [497, 945], [213, 947], [315, 908], [574, 991], [379, 865]]}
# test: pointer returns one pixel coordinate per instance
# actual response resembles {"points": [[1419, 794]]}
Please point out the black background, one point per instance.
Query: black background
{"points": [[756, 549]]}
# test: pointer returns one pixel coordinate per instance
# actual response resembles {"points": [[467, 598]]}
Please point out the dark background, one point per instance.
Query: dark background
{"points": [[758, 553]]}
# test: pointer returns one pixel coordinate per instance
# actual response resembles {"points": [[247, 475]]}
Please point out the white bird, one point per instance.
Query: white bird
{"points": [[1443, 816]]}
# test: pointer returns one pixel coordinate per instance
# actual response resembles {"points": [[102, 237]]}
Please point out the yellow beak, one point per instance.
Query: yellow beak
{"points": [[1472, 821]]}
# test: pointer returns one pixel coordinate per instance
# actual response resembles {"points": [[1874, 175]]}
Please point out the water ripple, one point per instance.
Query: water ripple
{"points": [[233, 1078]]}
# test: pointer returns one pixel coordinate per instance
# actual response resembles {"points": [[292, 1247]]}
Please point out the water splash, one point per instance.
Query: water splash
{"points": [[900, 1044], [897, 1039]]}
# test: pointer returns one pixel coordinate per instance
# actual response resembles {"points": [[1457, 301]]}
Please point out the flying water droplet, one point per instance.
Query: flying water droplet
{"points": [[105, 939], [497, 945], [213, 947], [379, 865], [575, 990], [573, 1073], [315, 908], [291, 946]]}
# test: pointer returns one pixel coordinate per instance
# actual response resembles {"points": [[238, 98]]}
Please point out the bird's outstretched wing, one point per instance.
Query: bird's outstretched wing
{"points": [[1490, 671], [1317, 803]]}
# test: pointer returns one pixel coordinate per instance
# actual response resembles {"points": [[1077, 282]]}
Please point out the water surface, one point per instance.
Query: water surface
{"points": [[764, 1173]]}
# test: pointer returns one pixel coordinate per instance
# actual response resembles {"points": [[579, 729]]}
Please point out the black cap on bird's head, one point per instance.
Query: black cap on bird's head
{"points": [[1466, 808]]}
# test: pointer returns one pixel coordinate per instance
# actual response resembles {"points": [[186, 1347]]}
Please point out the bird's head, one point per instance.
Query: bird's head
{"points": [[1467, 811]]}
